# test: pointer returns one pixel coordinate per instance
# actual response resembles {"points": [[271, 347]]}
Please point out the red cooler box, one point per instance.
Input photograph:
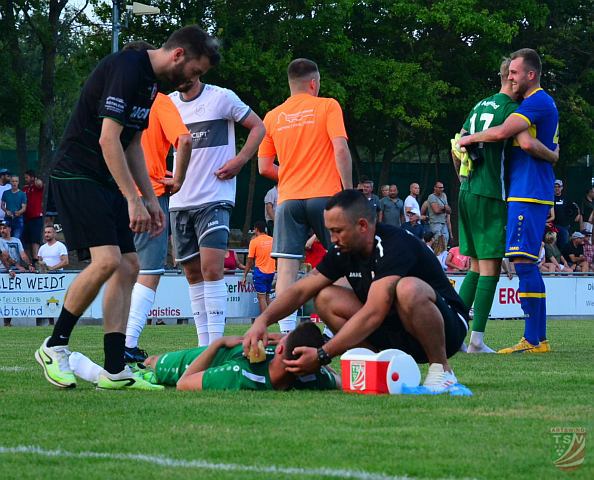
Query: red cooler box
{"points": [[370, 373]]}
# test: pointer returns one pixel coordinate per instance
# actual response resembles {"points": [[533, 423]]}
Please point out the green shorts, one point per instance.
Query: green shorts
{"points": [[171, 366], [481, 226]]}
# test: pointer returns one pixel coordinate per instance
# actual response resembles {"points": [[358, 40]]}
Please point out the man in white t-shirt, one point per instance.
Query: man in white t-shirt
{"points": [[201, 210], [270, 201], [411, 204], [53, 254]]}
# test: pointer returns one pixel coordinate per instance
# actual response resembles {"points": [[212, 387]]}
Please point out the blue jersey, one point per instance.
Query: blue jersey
{"points": [[532, 179]]}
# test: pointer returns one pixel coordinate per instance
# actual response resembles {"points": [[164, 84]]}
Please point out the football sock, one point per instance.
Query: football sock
{"points": [[468, 288], [327, 332], [113, 346], [483, 299], [199, 313], [140, 306], [83, 367], [63, 328], [542, 324], [215, 300], [288, 323], [477, 344], [531, 298]]}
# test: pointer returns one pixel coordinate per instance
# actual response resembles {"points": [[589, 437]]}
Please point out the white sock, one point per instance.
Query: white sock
{"points": [[199, 313], [140, 306], [215, 300], [287, 324], [83, 367], [327, 332], [477, 344], [476, 338]]}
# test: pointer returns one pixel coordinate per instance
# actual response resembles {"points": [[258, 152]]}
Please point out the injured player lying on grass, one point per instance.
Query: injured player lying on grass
{"points": [[223, 366]]}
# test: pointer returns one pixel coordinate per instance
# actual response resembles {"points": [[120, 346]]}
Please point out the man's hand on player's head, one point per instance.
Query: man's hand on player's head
{"points": [[307, 361]]}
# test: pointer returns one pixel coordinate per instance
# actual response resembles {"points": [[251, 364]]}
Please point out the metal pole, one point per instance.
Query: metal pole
{"points": [[115, 25]]}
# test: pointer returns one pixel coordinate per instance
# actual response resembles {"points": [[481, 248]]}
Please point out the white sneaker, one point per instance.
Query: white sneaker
{"points": [[54, 361], [438, 380], [463, 348], [124, 380], [481, 348]]}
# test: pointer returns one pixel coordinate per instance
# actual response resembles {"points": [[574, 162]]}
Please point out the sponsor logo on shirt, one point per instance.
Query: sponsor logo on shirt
{"points": [[355, 275], [115, 104], [139, 113], [293, 120]]}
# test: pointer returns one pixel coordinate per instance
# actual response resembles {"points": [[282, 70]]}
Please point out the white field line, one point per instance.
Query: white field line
{"points": [[203, 464], [16, 369]]}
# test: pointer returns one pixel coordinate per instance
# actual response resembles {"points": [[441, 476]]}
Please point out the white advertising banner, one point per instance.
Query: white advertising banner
{"points": [[42, 295], [32, 294]]}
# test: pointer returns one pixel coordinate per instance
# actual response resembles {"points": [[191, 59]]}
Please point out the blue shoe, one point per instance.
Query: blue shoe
{"points": [[134, 355]]}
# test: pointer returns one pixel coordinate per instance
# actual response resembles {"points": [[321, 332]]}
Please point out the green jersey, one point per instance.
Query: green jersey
{"points": [[488, 175], [230, 370]]}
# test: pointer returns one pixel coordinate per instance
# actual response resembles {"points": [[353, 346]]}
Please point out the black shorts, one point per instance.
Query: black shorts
{"points": [[32, 231], [92, 215], [391, 333]]}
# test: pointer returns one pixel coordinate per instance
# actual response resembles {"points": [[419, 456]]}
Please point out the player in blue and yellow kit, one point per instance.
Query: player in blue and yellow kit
{"points": [[530, 189]]}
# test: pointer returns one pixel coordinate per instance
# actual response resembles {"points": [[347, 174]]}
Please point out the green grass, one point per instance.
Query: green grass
{"points": [[501, 432]]}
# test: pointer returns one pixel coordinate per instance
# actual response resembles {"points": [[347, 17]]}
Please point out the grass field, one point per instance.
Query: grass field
{"points": [[503, 431]]}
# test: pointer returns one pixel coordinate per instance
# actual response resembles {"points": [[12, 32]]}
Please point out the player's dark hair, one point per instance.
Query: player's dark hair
{"points": [[354, 204], [306, 334], [301, 68], [31, 173], [195, 42], [531, 59], [368, 182], [260, 225], [138, 45]]}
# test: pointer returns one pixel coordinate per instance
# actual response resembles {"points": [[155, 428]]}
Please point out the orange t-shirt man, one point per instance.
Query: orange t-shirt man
{"points": [[259, 249], [164, 129], [299, 133]]}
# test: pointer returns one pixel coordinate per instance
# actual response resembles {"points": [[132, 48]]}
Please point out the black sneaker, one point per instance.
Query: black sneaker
{"points": [[134, 355]]}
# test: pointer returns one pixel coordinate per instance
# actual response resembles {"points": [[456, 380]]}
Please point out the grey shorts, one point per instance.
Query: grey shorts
{"points": [[152, 251], [206, 226], [292, 221]]}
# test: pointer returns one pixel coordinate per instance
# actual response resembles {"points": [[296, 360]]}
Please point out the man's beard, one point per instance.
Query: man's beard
{"points": [[175, 80]]}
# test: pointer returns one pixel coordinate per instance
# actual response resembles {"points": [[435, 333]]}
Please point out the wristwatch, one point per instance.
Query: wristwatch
{"points": [[323, 357]]}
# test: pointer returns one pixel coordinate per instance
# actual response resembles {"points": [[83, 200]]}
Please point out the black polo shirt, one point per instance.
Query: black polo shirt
{"points": [[122, 87], [396, 252]]}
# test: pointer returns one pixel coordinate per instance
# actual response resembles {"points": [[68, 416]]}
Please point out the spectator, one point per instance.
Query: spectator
{"points": [[392, 208], [14, 204], [372, 197], [384, 191], [441, 251], [270, 201], [411, 204], [53, 254], [553, 255], [439, 212], [12, 252], [4, 185], [456, 262], [429, 239], [587, 209], [33, 214], [232, 262], [264, 265], [414, 226], [542, 265], [588, 249], [565, 213], [574, 252]]}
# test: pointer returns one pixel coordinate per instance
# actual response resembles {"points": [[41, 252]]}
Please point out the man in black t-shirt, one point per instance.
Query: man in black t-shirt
{"points": [[97, 180], [573, 252], [400, 296]]}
